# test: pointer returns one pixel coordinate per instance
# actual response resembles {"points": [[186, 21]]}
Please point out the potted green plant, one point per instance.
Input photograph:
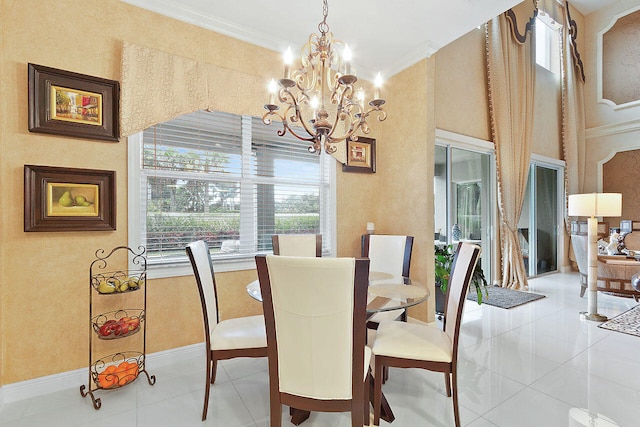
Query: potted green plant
{"points": [[443, 262]]}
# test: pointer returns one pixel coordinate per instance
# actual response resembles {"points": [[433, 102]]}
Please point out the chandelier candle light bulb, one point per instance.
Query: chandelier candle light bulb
{"points": [[322, 87], [273, 88], [288, 60], [346, 56], [377, 84]]}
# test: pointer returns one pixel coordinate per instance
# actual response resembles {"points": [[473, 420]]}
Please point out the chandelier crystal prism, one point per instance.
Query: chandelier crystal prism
{"points": [[320, 103]]}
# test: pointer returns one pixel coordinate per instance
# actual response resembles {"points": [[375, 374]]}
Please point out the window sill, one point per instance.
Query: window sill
{"points": [[160, 271]]}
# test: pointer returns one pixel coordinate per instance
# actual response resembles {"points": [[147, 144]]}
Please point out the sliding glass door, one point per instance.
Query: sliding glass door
{"points": [[462, 202], [540, 219]]}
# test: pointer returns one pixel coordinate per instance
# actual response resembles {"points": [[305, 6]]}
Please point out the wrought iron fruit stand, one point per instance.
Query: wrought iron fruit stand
{"points": [[119, 368]]}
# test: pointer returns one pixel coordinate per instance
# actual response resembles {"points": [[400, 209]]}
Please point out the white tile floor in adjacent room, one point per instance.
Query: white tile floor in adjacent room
{"points": [[536, 365]]}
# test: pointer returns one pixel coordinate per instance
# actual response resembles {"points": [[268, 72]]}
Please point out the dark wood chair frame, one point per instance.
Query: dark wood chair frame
{"points": [[214, 355], [360, 388], [450, 369]]}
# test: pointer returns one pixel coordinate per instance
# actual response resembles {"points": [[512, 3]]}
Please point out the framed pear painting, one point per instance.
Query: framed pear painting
{"points": [[67, 199]]}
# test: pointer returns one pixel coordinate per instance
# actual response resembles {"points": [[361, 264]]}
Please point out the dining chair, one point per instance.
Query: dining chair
{"points": [[226, 339], [390, 254], [426, 346], [315, 311], [309, 245]]}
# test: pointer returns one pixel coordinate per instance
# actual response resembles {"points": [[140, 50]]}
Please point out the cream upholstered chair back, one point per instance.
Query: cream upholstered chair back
{"points": [[388, 254], [226, 339], [464, 263], [305, 245], [200, 258], [315, 317]]}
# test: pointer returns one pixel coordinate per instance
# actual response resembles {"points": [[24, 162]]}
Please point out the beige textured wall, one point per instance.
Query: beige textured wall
{"points": [[44, 276], [461, 87], [398, 198], [547, 124]]}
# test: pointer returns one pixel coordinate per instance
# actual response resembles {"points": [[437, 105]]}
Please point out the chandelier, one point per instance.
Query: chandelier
{"points": [[320, 97]]}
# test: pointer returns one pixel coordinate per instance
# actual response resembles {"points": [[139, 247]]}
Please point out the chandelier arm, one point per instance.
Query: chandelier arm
{"points": [[348, 134], [266, 119], [343, 102], [292, 132], [293, 103]]}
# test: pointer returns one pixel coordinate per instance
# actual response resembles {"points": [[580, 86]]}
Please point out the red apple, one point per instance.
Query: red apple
{"points": [[134, 323], [107, 328]]}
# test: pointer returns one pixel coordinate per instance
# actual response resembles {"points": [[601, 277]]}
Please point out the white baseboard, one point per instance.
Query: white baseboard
{"points": [[65, 380]]}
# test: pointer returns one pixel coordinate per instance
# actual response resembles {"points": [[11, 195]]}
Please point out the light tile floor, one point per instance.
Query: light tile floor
{"points": [[534, 365]]}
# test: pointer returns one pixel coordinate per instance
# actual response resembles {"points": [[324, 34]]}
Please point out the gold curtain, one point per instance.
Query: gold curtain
{"points": [[573, 115], [511, 76]]}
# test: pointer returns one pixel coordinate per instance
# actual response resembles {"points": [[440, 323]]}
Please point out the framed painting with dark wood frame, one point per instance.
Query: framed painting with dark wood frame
{"points": [[361, 155], [66, 199], [67, 103]]}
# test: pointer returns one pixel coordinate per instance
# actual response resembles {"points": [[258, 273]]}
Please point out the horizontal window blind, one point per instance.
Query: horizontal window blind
{"points": [[229, 180]]}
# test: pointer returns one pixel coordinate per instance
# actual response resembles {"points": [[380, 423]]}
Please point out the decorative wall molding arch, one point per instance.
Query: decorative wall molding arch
{"points": [[600, 59], [601, 163]]}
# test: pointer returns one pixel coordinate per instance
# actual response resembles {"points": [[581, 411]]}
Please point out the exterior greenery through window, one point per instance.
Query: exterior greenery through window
{"points": [[231, 181]]}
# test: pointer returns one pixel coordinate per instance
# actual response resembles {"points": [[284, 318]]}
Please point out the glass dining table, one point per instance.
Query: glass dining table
{"points": [[384, 294]]}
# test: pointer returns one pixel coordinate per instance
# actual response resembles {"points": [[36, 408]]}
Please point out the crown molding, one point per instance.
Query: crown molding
{"points": [[613, 129], [185, 14]]}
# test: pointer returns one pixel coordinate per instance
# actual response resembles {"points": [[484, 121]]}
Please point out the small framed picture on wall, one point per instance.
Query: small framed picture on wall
{"points": [[361, 155]]}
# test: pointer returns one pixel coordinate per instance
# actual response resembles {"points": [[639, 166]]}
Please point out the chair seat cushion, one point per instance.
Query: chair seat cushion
{"points": [[412, 341], [241, 332]]}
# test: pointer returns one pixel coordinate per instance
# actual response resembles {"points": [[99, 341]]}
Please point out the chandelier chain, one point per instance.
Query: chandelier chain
{"points": [[323, 27]]}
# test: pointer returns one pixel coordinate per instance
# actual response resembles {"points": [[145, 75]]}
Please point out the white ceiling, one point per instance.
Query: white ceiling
{"points": [[384, 35]]}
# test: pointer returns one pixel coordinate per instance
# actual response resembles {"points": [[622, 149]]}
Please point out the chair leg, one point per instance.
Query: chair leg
{"points": [[377, 391], [276, 413], [367, 399], [447, 383], [454, 386], [214, 370], [207, 387], [357, 417]]}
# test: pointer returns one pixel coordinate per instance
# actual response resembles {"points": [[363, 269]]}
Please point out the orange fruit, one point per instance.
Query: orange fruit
{"points": [[126, 372], [108, 378]]}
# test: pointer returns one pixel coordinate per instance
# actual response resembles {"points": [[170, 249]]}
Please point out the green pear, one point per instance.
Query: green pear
{"points": [[80, 200], [106, 288], [65, 200]]}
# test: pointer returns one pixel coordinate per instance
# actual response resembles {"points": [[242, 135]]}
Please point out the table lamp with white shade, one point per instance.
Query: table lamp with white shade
{"points": [[594, 205]]}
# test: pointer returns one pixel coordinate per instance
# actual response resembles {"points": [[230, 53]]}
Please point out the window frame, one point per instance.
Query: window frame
{"points": [[181, 266], [552, 37]]}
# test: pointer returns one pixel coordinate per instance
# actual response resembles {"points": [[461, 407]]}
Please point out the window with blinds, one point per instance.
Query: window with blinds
{"points": [[226, 179]]}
